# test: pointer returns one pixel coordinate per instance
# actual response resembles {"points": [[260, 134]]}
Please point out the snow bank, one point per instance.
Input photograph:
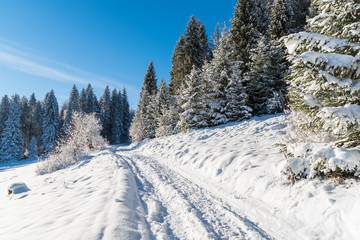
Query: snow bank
{"points": [[240, 164], [94, 199]]}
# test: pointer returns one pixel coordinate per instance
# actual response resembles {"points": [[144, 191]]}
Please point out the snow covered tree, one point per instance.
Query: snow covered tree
{"points": [[266, 85], [38, 125], [32, 105], [105, 112], [170, 118], [73, 106], [115, 117], [325, 70], [236, 107], [279, 20], [193, 110], [11, 138], [83, 138], [137, 128], [32, 149], [82, 101], [50, 122], [25, 120], [4, 112], [192, 49], [243, 35], [215, 77], [126, 117], [91, 102], [150, 81]]}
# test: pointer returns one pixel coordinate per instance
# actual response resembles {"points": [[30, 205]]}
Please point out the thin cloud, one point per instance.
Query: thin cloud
{"points": [[13, 56]]}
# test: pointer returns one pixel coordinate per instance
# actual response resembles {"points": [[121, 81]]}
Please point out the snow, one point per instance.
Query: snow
{"points": [[16, 188], [296, 42], [215, 183]]}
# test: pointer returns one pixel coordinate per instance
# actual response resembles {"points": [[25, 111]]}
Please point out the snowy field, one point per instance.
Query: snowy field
{"points": [[215, 183]]}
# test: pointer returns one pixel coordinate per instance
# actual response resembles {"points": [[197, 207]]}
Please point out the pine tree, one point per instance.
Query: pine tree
{"points": [[126, 117], [4, 112], [38, 125], [11, 138], [82, 101], [73, 106], [50, 122], [91, 103], [216, 78], [25, 120], [279, 20], [325, 70], [105, 107], [137, 128], [116, 123], [150, 81], [192, 49], [32, 150], [193, 110], [243, 35], [266, 87], [32, 105]]}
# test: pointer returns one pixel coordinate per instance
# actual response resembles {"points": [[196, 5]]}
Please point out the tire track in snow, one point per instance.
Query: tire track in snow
{"points": [[185, 202]]}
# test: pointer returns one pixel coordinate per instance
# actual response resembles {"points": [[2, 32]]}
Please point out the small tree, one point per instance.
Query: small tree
{"points": [[83, 138]]}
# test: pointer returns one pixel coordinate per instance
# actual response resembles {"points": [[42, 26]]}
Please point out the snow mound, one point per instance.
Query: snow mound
{"points": [[17, 188]]}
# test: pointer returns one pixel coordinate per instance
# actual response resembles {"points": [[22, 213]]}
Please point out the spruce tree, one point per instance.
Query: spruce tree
{"points": [[11, 138], [325, 71], [82, 101], [32, 105], [243, 34], [192, 49], [50, 122], [193, 110], [4, 112], [279, 20], [105, 111], [266, 86], [126, 117], [33, 149], [73, 106], [216, 78], [25, 120], [38, 125], [116, 121], [150, 81]]}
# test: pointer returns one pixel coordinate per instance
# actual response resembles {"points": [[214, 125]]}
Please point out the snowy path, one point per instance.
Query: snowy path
{"points": [[177, 208]]}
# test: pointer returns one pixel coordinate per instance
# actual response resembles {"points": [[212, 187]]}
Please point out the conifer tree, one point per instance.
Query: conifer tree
{"points": [[73, 104], [4, 112], [150, 81], [243, 34], [11, 138], [216, 78], [116, 123], [279, 20], [25, 120], [82, 101], [266, 86], [192, 49], [32, 105], [50, 122], [325, 71], [193, 110], [32, 150], [38, 125], [126, 117], [105, 111], [137, 128]]}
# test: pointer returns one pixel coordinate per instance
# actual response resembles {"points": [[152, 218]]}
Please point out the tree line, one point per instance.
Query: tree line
{"points": [[31, 127], [236, 74]]}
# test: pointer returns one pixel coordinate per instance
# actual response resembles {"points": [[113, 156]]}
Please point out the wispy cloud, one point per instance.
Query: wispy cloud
{"points": [[21, 59]]}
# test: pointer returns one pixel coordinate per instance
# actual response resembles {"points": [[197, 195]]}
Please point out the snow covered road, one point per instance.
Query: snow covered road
{"points": [[180, 209]]}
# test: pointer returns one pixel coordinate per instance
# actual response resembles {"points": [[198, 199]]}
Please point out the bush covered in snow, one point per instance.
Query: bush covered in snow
{"points": [[82, 137]]}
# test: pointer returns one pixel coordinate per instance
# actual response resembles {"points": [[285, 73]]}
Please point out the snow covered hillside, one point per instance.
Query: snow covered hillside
{"points": [[215, 183]]}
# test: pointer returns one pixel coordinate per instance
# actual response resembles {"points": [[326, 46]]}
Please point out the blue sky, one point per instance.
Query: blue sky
{"points": [[54, 44]]}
